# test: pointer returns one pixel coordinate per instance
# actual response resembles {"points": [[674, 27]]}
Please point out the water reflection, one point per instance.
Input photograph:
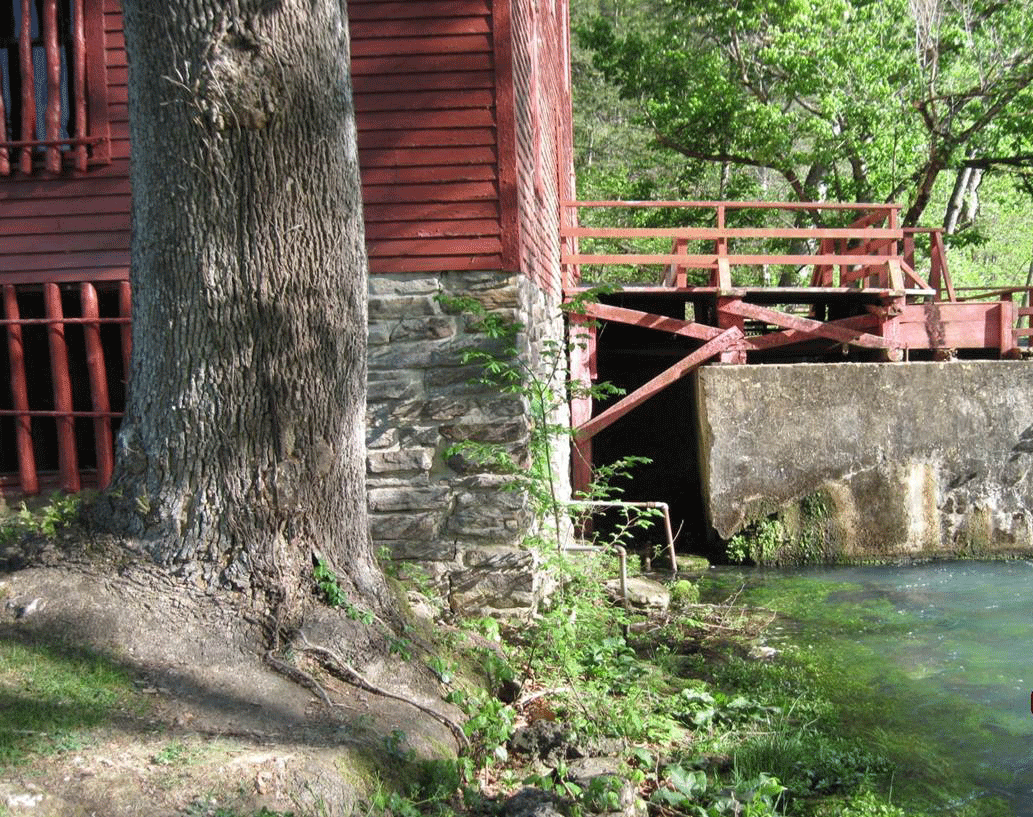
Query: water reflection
{"points": [[968, 632]]}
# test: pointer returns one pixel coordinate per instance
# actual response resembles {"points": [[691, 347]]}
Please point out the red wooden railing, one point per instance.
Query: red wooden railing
{"points": [[81, 371], [864, 253], [26, 143]]}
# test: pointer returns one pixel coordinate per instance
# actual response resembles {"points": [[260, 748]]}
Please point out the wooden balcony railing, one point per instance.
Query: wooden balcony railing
{"points": [[871, 251]]}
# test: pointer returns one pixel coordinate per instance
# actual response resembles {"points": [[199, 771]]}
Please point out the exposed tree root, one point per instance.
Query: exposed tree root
{"points": [[341, 669]]}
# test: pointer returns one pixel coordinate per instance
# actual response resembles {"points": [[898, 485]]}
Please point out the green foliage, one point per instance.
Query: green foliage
{"points": [[683, 593], [330, 591], [841, 99], [690, 793], [58, 512]]}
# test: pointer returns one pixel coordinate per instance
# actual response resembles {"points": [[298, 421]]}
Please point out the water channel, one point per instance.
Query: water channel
{"points": [[946, 647]]}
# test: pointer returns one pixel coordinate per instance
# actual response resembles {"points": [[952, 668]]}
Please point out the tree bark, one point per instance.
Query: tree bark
{"points": [[242, 453]]}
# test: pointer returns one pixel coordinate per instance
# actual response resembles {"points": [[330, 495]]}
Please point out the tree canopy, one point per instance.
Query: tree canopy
{"points": [[848, 100]]}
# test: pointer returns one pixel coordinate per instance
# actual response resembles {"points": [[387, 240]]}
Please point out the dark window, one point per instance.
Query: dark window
{"points": [[50, 53]]}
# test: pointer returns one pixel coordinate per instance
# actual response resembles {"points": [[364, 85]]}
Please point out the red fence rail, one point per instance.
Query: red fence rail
{"points": [[68, 347], [871, 251]]}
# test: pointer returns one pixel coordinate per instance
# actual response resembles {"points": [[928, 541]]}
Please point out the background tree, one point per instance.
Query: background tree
{"points": [[842, 99], [242, 450]]}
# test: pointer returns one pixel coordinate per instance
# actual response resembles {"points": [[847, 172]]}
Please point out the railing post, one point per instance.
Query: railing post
{"points": [[67, 460], [125, 311], [5, 162], [27, 475], [941, 253], [79, 78], [28, 85], [52, 118], [722, 275], [102, 437], [1008, 341]]}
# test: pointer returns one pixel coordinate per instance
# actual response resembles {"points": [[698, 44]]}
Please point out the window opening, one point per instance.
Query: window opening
{"points": [[44, 52]]}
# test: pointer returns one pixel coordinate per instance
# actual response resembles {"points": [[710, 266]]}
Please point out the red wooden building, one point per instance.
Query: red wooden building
{"points": [[464, 132]]}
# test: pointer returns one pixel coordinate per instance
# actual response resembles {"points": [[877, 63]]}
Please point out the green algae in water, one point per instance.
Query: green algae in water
{"points": [[927, 665]]}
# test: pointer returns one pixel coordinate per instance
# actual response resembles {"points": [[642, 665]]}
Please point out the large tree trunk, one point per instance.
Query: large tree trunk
{"points": [[242, 451]]}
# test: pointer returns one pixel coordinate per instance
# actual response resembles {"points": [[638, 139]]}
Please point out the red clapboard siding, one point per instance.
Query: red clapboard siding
{"points": [[79, 242], [444, 192], [412, 157], [436, 137], [430, 211], [74, 226], [423, 100], [381, 231], [427, 175], [438, 27], [74, 222], [411, 46], [435, 246], [363, 86], [424, 82], [360, 10], [68, 260], [435, 263], [422, 64]]}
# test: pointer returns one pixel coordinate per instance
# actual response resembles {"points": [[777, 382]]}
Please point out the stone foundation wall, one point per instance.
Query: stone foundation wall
{"points": [[445, 513], [870, 462]]}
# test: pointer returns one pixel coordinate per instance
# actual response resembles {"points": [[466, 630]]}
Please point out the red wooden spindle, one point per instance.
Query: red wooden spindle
{"points": [[53, 112], [28, 77], [102, 437], [66, 456], [20, 395], [5, 162], [125, 310], [79, 79]]}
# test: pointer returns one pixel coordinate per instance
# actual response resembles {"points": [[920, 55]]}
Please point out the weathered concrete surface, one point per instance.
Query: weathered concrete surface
{"points": [[870, 461]]}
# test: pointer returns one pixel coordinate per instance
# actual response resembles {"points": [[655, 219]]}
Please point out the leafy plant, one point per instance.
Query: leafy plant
{"points": [[58, 512]]}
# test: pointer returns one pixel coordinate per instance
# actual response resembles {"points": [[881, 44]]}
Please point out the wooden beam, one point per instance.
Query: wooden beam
{"points": [[858, 323], [715, 233], [816, 328], [704, 261], [661, 381], [648, 320]]}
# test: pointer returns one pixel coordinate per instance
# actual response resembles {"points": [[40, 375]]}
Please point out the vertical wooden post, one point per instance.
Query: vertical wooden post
{"points": [[28, 85], [78, 69], [941, 254], [1008, 343], [67, 460], [727, 320], [582, 373], [27, 475], [102, 437], [723, 273], [5, 162], [53, 113], [125, 310]]}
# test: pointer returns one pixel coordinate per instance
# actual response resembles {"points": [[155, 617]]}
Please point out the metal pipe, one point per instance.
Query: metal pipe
{"points": [[615, 503]]}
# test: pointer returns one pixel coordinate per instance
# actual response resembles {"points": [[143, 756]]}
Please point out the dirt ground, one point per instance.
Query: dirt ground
{"points": [[221, 733]]}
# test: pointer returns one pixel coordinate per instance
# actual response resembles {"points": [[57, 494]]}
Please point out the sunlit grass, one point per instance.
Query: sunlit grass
{"points": [[52, 697]]}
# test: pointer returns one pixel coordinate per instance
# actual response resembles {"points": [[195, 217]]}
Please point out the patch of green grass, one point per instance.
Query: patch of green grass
{"points": [[53, 696]]}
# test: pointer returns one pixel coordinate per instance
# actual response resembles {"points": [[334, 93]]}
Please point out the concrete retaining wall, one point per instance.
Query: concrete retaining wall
{"points": [[867, 462]]}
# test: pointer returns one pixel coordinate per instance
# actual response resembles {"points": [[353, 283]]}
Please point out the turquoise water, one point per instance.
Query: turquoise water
{"points": [[951, 642]]}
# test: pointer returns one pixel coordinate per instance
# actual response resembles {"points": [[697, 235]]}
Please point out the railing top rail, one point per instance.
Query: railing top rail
{"points": [[739, 205], [711, 233]]}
